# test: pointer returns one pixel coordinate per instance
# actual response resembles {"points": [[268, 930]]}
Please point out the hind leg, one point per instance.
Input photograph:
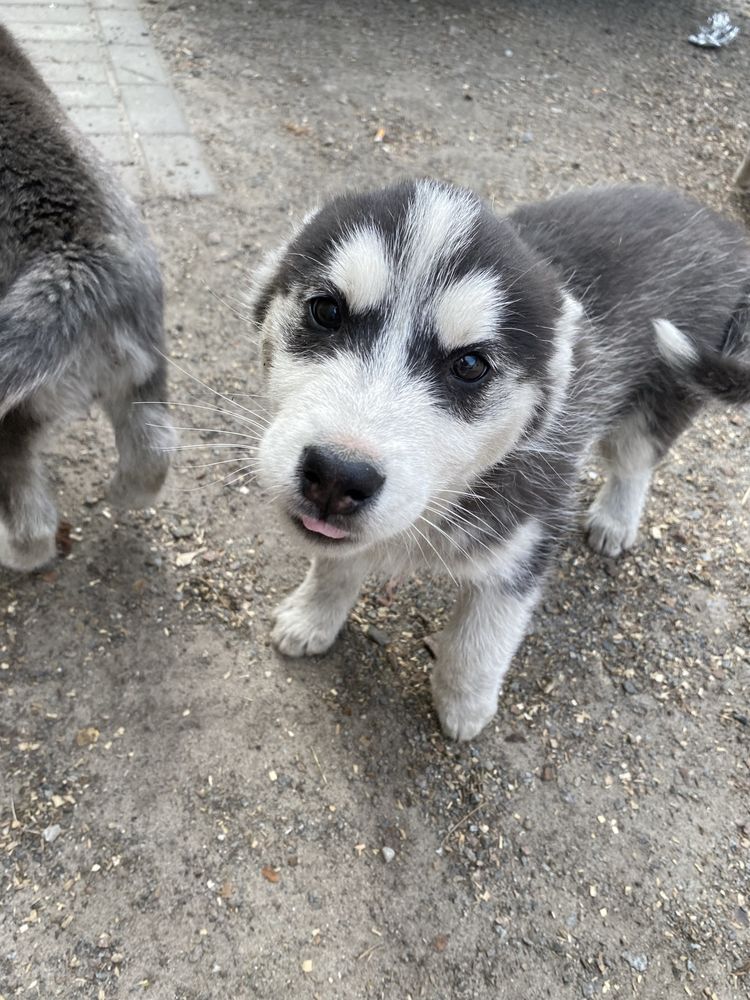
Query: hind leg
{"points": [[28, 518], [145, 441], [630, 452]]}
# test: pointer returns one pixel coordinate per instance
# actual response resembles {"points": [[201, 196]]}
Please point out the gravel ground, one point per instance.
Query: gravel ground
{"points": [[186, 815]]}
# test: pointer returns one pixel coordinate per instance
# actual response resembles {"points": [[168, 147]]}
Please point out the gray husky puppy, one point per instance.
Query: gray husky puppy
{"points": [[80, 312], [438, 376]]}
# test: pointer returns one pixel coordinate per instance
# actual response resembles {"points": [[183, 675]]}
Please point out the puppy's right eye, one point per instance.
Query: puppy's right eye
{"points": [[325, 312]]}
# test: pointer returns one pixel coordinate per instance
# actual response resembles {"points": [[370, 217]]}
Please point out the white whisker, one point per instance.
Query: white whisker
{"points": [[207, 430], [259, 421], [237, 445], [206, 465], [434, 549], [205, 385], [229, 480]]}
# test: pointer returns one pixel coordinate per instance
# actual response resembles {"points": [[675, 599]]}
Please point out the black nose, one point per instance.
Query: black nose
{"points": [[337, 485]]}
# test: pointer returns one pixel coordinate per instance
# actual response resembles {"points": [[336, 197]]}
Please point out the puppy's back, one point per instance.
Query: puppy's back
{"points": [[75, 259], [634, 253]]}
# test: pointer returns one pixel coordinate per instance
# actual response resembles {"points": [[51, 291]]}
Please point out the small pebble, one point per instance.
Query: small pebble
{"points": [[388, 854], [639, 963], [182, 530], [51, 833], [377, 635]]}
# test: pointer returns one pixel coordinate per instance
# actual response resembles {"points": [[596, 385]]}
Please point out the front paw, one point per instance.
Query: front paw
{"points": [[462, 716], [136, 493], [27, 555], [608, 535], [302, 629]]}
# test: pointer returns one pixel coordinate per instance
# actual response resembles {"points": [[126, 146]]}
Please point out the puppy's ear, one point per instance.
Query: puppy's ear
{"points": [[264, 280], [263, 286]]}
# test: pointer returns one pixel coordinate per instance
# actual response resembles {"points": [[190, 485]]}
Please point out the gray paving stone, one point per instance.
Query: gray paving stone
{"points": [[97, 121], [32, 31], [59, 73], [123, 27], [115, 148], [131, 177], [14, 14], [137, 64], [49, 50], [98, 57], [43, 3], [86, 95], [153, 109], [175, 164]]}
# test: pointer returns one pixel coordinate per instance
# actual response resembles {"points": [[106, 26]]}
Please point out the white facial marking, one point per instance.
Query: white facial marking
{"points": [[439, 225], [360, 269], [505, 425], [673, 344], [468, 310]]}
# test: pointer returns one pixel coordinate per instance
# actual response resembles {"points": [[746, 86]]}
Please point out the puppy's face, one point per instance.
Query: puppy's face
{"points": [[410, 343]]}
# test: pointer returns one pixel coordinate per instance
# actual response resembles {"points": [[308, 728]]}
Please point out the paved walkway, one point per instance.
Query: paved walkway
{"points": [[98, 58]]}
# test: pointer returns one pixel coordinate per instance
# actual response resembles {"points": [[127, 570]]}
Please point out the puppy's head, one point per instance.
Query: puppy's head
{"points": [[409, 340]]}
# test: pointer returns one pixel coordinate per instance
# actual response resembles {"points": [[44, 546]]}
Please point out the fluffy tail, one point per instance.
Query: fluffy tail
{"points": [[710, 371], [43, 315]]}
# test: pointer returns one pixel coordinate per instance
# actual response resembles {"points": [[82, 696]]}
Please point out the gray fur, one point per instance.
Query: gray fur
{"points": [[606, 316], [80, 310]]}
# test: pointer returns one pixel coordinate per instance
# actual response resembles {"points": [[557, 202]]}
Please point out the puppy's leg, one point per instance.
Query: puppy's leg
{"points": [[630, 453], [489, 622], [312, 616], [145, 441], [475, 652], [28, 519]]}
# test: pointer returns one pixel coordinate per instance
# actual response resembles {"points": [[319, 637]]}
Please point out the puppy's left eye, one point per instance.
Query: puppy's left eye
{"points": [[325, 312], [470, 368]]}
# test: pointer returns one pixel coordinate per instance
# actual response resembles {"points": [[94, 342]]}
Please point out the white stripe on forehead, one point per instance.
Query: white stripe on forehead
{"points": [[360, 269], [438, 225], [468, 310]]}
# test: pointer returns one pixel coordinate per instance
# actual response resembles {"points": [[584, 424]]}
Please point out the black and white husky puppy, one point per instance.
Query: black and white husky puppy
{"points": [[80, 311], [438, 376]]}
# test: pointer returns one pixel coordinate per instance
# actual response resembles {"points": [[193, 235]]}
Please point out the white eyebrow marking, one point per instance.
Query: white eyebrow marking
{"points": [[360, 269], [469, 310], [439, 225]]}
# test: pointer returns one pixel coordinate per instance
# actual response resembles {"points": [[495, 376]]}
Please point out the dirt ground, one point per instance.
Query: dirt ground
{"points": [[186, 815]]}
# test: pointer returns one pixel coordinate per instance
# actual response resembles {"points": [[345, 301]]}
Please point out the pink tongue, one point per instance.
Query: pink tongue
{"points": [[323, 528]]}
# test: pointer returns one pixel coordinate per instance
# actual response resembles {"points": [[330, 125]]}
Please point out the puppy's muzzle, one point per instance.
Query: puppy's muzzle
{"points": [[335, 484]]}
